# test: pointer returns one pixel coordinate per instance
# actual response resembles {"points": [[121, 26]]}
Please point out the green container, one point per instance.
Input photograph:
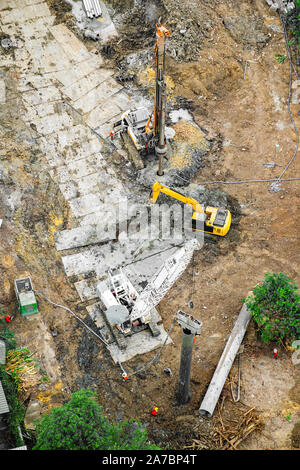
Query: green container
{"points": [[26, 299]]}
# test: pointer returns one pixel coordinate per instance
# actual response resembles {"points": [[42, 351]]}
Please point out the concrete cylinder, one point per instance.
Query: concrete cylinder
{"points": [[183, 393], [225, 363]]}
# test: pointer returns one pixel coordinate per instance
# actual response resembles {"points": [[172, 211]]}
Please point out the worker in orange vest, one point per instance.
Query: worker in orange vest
{"points": [[154, 410]]}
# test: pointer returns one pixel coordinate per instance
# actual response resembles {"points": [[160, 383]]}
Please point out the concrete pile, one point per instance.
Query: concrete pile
{"points": [[283, 6]]}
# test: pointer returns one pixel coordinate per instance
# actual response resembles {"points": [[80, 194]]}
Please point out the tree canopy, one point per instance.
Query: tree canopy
{"points": [[81, 425], [275, 307]]}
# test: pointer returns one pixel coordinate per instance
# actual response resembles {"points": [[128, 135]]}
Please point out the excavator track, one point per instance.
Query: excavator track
{"points": [[132, 151], [116, 334]]}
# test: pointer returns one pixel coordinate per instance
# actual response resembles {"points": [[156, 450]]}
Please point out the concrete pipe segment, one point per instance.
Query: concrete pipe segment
{"points": [[225, 363]]}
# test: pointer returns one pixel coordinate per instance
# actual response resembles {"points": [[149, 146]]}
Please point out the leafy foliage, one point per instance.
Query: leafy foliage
{"points": [[280, 58], [8, 337], [81, 425], [275, 307], [22, 368], [15, 417], [293, 21]]}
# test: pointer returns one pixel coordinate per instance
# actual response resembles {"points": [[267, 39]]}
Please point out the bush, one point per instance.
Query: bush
{"points": [[8, 337], [275, 308], [293, 22], [81, 425], [15, 417]]}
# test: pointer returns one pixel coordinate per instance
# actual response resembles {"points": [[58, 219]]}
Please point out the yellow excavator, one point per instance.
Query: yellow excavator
{"points": [[212, 220]]}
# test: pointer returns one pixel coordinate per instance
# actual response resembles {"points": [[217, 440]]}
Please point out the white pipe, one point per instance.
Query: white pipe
{"points": [[225, 363]]}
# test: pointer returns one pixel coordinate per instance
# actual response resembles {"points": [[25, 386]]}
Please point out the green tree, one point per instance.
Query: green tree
{"points": [[81, 425], [275, 308]]}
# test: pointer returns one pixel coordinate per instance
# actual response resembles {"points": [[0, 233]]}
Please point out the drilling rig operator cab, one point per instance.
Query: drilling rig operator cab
{"points": [[136, 123]]}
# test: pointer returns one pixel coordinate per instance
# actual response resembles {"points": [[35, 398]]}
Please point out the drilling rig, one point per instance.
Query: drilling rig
{"points": [[143, 133], [125, 311]]}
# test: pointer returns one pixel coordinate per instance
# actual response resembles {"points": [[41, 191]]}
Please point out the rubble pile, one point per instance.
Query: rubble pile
{"points": [[284, 6]]}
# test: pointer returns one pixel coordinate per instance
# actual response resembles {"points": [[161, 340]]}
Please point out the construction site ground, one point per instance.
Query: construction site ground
{"points": [[242, 112]]}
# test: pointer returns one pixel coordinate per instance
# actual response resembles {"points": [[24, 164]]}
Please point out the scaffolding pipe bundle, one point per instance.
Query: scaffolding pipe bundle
{"points": [[92, 8]]}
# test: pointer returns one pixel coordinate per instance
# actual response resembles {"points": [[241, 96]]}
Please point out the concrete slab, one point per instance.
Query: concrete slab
{"points": [[141, 258], [82, 86], [76, 170], [35, 112], [43, 95], [86, 166], [69, 190], [83, 149], [8, 4], [103, 113], [95, 313], [2, 92], [77, 71], [53, 158], [73, 47], [88, 184], [60, 174], [85, 261], [23, 60], [53, 123], [34, 82], [19, 15], [6, 60], [67, 137], [37, 27], [86, 289], [92, 231], [5, 4], [49, 57], [139, 343], [105, 129], [85, 204], [74, 143], [101, 93]]}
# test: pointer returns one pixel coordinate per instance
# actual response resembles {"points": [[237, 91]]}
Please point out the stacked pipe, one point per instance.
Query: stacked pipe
{"points": [[92, 8]]}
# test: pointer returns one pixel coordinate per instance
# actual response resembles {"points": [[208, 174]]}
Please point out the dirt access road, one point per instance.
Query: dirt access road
{"points": [[246, 114]]}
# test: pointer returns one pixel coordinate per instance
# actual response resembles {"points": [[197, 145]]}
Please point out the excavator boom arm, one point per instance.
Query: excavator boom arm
{"points": [[159, 188]]}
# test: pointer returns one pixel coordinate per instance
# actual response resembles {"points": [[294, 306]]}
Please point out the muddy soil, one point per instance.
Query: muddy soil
{"points": [[244, 109]]}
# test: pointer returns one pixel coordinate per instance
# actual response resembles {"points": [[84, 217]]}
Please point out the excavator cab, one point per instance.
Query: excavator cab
{"points": [[217, 221]]}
